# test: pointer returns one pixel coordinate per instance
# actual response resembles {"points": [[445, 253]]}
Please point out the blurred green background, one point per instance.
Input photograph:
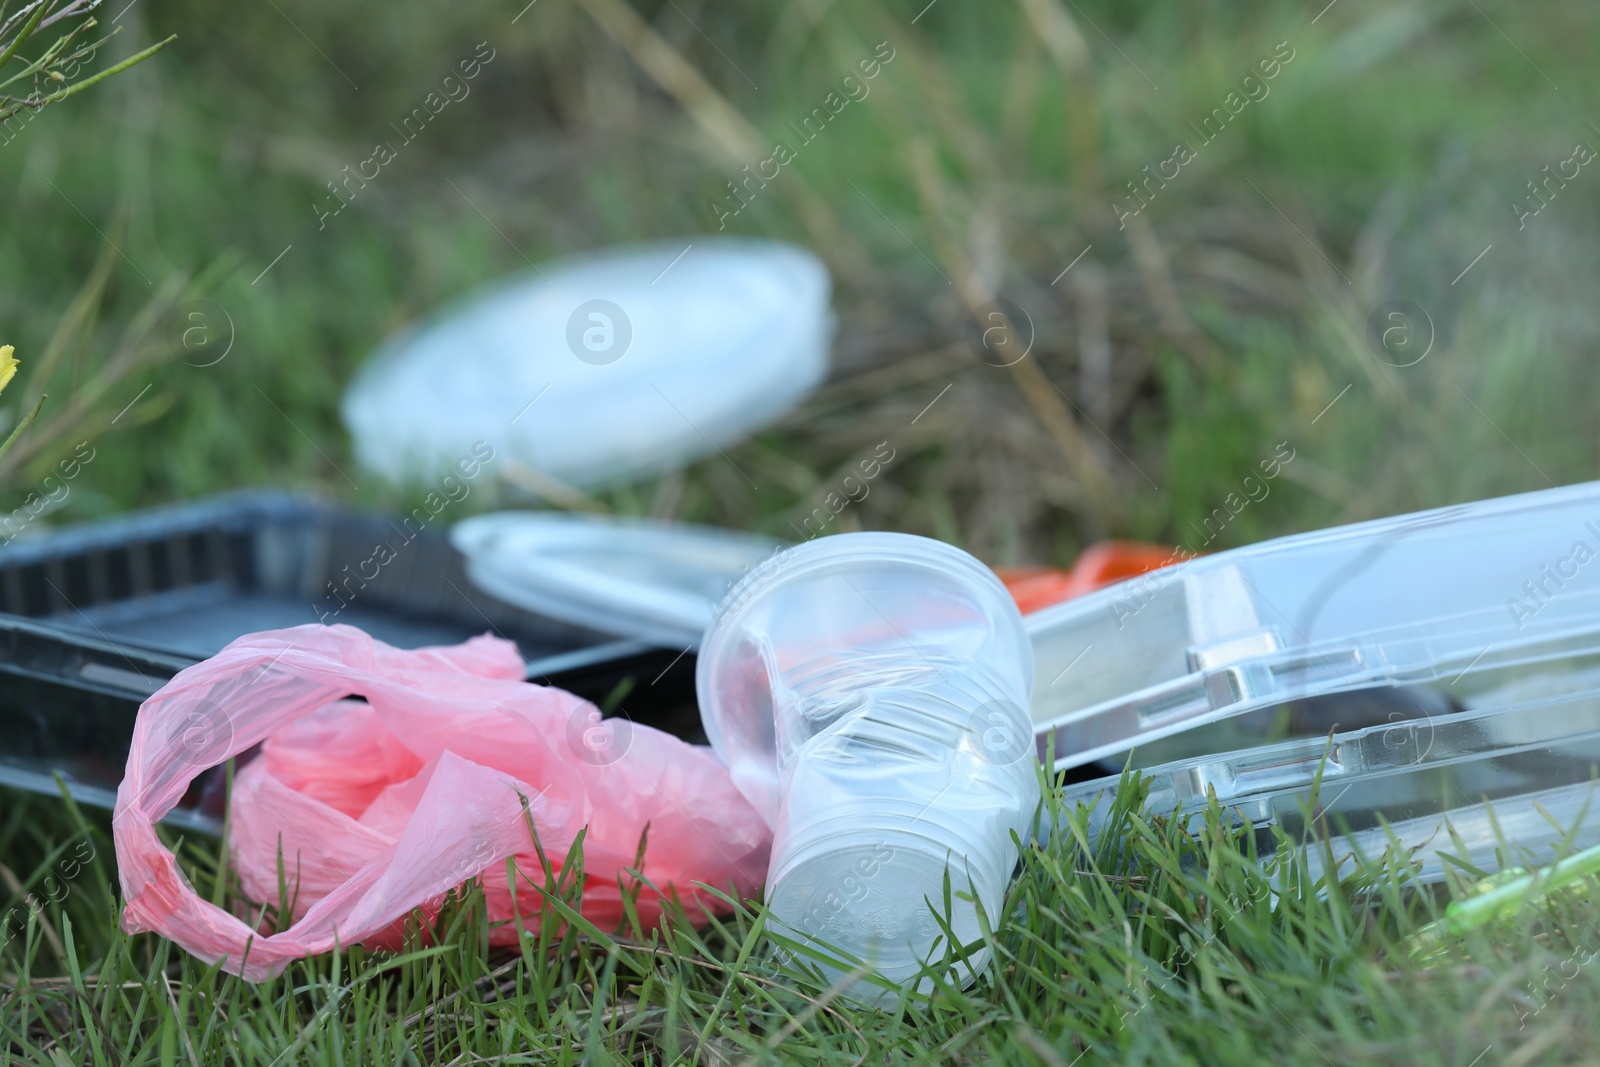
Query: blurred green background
{"points": [[1179, 351]]}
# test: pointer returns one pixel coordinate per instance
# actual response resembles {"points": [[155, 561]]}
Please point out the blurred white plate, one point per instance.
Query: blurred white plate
{"points": [[608, 367]]}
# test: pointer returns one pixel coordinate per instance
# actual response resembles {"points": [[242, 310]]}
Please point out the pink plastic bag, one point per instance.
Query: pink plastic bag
{"points": [[383, 806]]}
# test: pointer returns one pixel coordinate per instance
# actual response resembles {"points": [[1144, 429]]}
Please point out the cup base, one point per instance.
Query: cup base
{"points": [[872, 897]]}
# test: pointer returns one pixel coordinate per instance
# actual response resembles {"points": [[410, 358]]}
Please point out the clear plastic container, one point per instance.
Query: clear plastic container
{"points": [[1512, 777], [1431, 681], [1413, 600], [869, 694]]}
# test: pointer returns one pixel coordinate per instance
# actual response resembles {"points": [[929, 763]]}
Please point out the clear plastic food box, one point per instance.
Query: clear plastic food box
{"points": [[1516, 771], [1436, 667], [1433, 597]]}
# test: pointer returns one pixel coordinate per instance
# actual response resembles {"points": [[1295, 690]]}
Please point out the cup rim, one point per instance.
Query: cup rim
{"points": [[800, 561]]}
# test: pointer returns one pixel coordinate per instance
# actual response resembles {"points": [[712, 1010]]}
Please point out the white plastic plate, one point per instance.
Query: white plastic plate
{"points": [[609, 367]]}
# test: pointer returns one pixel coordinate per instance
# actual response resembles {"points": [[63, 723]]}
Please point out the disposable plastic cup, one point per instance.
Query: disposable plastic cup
{"points": [[870, 694]]}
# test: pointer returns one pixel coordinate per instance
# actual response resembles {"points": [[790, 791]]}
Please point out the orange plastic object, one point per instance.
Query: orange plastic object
{"points": [[1102, 563]]}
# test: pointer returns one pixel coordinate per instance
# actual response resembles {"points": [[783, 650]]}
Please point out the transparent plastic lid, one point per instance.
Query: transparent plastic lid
{"points": [[649, 580], [1436, 596]]}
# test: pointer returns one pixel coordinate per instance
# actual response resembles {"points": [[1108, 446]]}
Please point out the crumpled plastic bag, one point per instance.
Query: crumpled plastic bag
{"points": [[382, 807]]}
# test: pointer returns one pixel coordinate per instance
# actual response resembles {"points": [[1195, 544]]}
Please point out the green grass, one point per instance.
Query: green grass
{"points": [[1153, 944], [983, 161]]}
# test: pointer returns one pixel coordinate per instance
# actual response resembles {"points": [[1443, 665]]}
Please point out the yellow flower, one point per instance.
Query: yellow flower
{"points": [[8, 366]]}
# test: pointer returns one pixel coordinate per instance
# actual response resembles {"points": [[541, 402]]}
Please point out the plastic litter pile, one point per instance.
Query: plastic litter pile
{"points": [[876, 704]]}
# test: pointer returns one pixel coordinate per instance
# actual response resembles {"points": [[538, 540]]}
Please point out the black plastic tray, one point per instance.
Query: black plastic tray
{"points": [[185, 580], [97, 617]]}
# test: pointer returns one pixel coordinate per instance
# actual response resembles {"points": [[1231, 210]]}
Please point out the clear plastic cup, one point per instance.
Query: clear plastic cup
{"points": [[869, 693]]}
